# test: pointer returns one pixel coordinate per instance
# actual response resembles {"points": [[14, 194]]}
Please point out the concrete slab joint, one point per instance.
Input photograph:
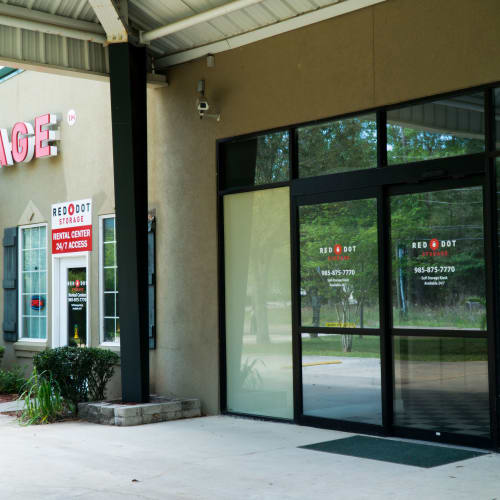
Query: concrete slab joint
{"points": [[159, 409]]}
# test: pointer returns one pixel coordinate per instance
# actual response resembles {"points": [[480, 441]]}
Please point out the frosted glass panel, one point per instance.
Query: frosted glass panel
{"points": [[258, 303]]}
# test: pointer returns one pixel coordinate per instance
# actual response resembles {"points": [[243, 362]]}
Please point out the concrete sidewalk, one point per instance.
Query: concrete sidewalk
{"points": [[215, 458]]}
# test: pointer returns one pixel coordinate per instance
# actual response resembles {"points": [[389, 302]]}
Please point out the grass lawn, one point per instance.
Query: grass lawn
{"points": [[413, 348]]}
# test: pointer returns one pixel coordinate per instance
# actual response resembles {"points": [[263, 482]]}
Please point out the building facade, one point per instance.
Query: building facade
{"points": [[326, 252]]}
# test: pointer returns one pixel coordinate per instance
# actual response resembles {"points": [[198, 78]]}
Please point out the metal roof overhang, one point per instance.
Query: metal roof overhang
{"points": [[72, 36]]}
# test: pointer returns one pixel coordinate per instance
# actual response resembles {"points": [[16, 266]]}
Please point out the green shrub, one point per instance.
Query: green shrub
{"points": [[81, 373], [43, 402], [2, 350], [103, 367], [12, 381]]}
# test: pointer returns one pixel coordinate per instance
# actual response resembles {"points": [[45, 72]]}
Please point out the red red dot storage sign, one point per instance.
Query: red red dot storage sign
{"points": [[72, 226]]}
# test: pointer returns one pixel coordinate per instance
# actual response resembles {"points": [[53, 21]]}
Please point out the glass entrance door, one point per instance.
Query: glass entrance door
{"points": [[72, 290], [394, 333], [339, 310], [439, 334], [77, 306]]}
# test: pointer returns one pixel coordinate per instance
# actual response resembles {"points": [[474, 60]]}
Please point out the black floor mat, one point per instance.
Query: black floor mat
{"points": [[398, 452]]}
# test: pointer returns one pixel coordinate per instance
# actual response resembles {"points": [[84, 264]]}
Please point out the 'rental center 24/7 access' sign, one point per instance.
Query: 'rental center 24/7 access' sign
{"points": [[72, 226]]}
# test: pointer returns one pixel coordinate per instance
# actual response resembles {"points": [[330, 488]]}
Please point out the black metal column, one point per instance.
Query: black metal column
{"points": [[128, 114]]}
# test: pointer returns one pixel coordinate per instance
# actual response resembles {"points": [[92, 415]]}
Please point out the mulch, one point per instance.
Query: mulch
{"points": [[7, 398], [16, 413]]}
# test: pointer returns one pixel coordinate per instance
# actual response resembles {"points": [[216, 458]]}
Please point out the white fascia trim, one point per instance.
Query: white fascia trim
{"points": [[294, 23], [199, 18]]}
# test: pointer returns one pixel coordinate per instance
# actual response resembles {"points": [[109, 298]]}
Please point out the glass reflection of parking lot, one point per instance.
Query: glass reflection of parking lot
{"points": [[341, 377]]}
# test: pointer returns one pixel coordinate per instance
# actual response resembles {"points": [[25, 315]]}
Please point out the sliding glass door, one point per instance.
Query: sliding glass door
{"points": [[403, 320], [439, 317], [339, 310]]}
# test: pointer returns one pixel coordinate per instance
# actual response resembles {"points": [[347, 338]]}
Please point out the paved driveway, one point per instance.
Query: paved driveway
{"points": [[215, 458]]}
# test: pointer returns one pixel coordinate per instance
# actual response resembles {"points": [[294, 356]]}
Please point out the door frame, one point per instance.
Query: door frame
{"points": [[57, 294], [430, 175]]}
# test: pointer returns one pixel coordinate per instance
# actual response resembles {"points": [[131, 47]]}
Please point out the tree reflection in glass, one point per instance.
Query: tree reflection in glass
{"points": [[437, 241], [339, 265]]}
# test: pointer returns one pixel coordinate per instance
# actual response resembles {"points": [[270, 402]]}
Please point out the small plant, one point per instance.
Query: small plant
{"points": [[80, 372], [42, 398], [12, 381]]}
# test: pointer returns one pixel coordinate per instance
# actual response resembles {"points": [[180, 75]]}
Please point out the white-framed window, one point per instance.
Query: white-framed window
{"points": [[33, 282], [108, 278]]}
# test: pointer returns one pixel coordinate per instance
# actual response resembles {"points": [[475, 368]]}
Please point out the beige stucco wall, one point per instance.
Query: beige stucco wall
{"points": [[392, 52], [83, 169]]}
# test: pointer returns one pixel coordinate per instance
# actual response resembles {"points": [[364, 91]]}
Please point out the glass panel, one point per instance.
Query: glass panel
{"points": [[109, 304], [441, 384], [34, 328], [447, 127], [77, 306], [42, 327], [109, 280], [42, 260], [339, 264], [258, 303], [109, 254], [43, 281], [338, 146], [30, 258], [109, 330], [26, 282], [108, 226], [26, 301], [26, 239], [35, 282], [437, 243], [260, 160], [43, 236], [35, 237], [26, 326], [341, 377]]}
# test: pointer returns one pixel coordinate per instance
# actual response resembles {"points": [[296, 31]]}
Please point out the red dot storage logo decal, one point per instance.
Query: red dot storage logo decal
{"points": [[342, 252], [434, 248], [72, 226]]}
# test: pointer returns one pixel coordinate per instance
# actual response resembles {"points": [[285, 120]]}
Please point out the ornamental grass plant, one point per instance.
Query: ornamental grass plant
{"points": [[43, 402]]}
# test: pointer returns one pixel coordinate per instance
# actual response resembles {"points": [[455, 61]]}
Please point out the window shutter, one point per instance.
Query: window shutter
{"points": [[151, 282], [9, 284]]}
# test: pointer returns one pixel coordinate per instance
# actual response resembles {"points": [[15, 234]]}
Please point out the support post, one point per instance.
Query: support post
{"points": [[128, 114]]}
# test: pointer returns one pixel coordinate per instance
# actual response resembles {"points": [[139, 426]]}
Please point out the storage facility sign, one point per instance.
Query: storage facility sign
{"points": [[26, 141], [72, 226]]}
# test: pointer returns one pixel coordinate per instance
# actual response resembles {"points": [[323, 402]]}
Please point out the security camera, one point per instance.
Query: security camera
{"points": [[203, 106]]}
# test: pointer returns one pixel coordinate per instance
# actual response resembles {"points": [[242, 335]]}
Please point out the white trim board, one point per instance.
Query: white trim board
{"points": [[258, 34]]}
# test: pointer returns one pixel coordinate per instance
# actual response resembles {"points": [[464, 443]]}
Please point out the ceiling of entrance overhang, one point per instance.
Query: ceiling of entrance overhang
{"points": [[73, 34]]}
